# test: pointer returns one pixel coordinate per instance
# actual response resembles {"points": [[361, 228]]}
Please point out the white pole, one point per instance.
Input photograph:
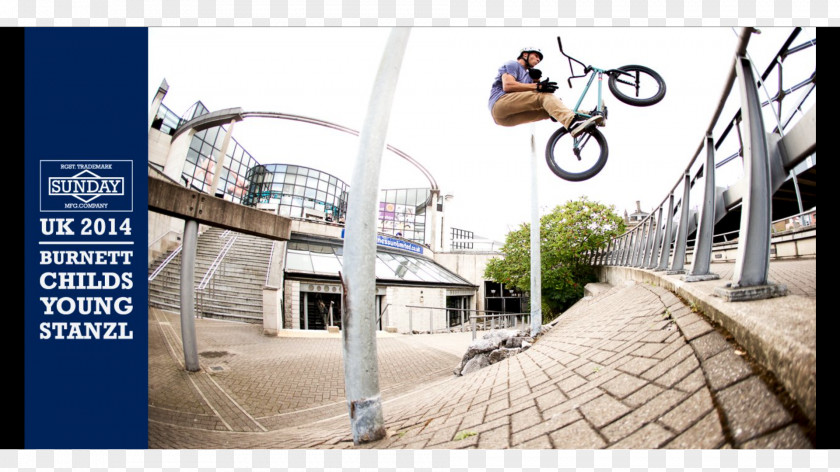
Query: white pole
{"points": [[361, 369], [536, 286]]}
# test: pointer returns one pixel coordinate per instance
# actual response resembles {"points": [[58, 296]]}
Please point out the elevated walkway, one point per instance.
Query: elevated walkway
{"points": [[633, 367]]}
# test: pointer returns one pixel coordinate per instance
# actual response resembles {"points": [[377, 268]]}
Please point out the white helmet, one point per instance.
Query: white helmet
{"points": [[534, 50]]}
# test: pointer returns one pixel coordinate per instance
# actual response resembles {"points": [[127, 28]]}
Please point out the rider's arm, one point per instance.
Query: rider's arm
{"points": [[509, 84]]}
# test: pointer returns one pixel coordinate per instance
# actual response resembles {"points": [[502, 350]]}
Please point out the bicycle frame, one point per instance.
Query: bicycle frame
{"points": [[591, 72], [599, 110]]}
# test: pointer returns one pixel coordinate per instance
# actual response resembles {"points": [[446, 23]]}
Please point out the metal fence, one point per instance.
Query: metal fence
{"points": [[769, 158], [438, 320]]}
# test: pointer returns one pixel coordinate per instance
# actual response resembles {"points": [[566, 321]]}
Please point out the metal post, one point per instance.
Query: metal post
{"points": [[668, 221], [629, 250], [536, 275], [640, 243], [431, 319], [705, 230], [603, 259], [220, 161], [649, 247], [753, 261], [643, 250], [657, 241], [361, 368], [188, 295], [619, 256], [682, 238], [472, 324], [752, 265]]}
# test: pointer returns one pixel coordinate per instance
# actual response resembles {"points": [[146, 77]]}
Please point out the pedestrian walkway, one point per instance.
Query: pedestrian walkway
{"points": [[634, 367]]}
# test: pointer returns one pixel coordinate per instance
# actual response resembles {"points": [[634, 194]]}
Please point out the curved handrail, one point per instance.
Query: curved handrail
{"points": [[639, 246], [225, 116]]}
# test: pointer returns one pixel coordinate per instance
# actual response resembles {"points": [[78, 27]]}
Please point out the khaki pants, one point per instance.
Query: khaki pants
{"points": [[516, 108]]}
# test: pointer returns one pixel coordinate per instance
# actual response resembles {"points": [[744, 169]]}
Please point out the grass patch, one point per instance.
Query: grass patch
{"points": [[464, 435]]}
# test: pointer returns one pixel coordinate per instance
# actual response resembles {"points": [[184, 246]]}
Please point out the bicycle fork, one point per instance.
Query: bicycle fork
{"points": [[579, 143]]}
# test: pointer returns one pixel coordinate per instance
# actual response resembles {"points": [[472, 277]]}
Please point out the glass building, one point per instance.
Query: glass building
{"points": [[402, 212], [297, 189]]}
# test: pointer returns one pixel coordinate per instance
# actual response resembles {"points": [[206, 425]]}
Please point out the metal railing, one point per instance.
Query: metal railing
{"points": [[659, 243], [207, 287], [165, 262], [489, 319]]}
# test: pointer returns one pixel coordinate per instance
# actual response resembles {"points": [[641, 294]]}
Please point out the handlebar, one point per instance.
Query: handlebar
{"points": [[586, 68]]}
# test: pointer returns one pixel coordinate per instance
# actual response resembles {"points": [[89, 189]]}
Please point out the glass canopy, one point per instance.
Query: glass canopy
{"points": [[324, 259]]}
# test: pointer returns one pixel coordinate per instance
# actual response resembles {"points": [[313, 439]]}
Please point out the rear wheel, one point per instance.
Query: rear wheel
{"points": [[576, 159], [636, 85]]}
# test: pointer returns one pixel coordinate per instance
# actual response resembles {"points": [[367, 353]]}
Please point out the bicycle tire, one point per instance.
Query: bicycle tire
{"points": [[561, 159], [650, 81]]}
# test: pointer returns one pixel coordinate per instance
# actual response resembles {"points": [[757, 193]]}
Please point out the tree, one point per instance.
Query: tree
{"points": [[569, 233]]}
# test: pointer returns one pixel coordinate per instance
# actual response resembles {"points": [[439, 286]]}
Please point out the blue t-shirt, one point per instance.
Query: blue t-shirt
{"points": [[513, 68]]}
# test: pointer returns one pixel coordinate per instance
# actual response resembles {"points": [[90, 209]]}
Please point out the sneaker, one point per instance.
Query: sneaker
{"points": [[579, 126]]}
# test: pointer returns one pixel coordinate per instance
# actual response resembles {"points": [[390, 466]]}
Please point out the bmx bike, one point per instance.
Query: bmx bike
{"points": [[581, 157]]}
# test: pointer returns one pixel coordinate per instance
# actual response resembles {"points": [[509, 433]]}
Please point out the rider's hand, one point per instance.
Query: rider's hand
{"points": [[535, 74], [546, 87]]}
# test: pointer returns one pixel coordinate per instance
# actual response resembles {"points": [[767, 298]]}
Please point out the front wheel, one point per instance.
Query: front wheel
{"points": [[576, 159], [635, 85]]}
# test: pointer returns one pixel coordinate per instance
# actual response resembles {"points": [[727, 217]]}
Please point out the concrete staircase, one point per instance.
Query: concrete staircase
{"points": [[234, 292]]}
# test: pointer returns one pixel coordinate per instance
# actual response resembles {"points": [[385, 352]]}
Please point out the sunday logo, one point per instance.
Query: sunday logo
{"points": [[86, 185]]}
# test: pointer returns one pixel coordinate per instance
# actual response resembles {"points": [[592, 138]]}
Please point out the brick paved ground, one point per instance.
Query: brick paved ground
{"points": [[277, 381], [631, 368]]}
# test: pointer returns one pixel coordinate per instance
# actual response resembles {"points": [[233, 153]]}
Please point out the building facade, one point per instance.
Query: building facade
{"points": [[421, 285]]}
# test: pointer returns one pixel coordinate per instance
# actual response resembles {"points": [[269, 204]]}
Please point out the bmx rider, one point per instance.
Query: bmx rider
{"points": [[515, 97]]}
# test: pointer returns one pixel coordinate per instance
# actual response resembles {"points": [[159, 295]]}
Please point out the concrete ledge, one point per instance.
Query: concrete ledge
{"points": [[174, 200], [595, 289], [779, 333]]}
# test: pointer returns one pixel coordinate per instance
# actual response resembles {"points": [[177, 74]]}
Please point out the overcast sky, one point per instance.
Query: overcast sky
{"points": [[440, 115]]}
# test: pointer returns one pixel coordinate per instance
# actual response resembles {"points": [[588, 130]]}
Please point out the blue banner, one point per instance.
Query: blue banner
{"points": [[85, 252]]}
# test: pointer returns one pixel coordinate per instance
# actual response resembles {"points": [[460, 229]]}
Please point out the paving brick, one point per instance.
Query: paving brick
{"points": [[524, 419], [696, 329], [682, 416], [551, 424], [637, 365], [705, 434], [678, 372], [550, 399], [651, 436], [578, 435], [642, 395], [646, 413], [649, 349], [751, 409], [571, 383], [540, 442], [790, 437], [603, 410], [494, 439], [708, 345], [668, 363], [623, 385], [572, 403], [692, 382], [725, 369]]}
